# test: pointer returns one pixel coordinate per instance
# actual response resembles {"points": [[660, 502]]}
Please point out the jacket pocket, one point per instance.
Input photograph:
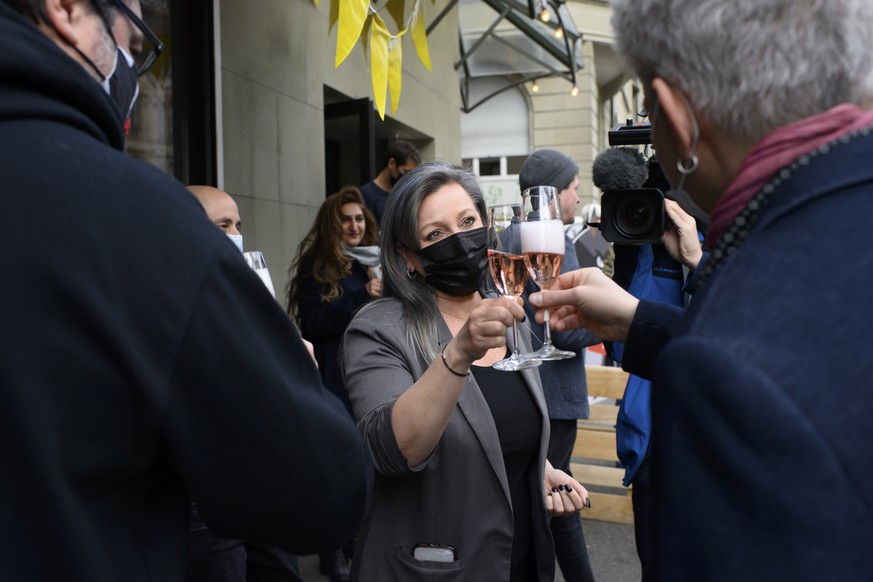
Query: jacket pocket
{"points": [[408, 568]]}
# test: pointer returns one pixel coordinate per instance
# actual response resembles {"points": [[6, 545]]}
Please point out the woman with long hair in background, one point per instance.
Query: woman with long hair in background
{"points": [[335, 272]]}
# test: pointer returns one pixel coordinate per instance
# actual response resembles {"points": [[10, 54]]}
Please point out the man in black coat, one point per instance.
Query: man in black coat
{"points": [[142, 363]]}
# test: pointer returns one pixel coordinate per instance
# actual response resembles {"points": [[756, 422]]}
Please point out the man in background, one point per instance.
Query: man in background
{"points": [[221, 210], [142, 363], [212, 559], [401, 157]]}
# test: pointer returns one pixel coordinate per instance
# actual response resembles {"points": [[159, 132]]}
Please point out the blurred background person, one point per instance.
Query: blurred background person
{"points": [[400, 157], [647, 270], [142, 363], [463, 481], [212, 559], [335, 272], [564, 383], [221, 210], [760, 403]]}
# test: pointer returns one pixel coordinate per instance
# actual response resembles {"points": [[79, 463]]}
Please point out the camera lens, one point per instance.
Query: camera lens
{"points": [[635, 217]]}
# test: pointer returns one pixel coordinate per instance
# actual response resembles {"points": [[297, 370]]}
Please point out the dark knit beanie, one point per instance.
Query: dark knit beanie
{"points": [[547, 168]]}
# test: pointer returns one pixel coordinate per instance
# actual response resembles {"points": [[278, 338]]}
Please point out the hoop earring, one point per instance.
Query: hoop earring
{"points": [[412, 275], [688, 166], [681, 196]]}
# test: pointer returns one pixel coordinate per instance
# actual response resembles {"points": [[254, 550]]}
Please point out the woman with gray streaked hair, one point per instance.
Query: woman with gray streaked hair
{"points": [[463, 487], [761, 439]]}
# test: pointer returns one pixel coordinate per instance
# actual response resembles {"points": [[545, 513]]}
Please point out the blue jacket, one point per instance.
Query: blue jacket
{"points": [[564, 381], [761, 458], [657, 277]]}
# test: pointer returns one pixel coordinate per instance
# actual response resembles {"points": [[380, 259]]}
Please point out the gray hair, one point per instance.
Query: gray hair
{"points": [[751, 66], [400, 227]]}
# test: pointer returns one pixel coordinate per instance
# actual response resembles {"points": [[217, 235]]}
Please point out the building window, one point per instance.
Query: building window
{"points": [[489, 167], [151, 125], [173, 125]]}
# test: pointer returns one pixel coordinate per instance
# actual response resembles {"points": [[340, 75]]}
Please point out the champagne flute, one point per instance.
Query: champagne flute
{"points": [[510, 275], [542, 245], [502, 216], [258, 264]]}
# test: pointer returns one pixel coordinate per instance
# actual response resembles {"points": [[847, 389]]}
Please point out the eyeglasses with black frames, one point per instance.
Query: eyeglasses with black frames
{"points": [[147, 57]]}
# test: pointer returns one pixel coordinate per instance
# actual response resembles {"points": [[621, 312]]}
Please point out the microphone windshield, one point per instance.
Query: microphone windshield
{"points": [[619, 168]]}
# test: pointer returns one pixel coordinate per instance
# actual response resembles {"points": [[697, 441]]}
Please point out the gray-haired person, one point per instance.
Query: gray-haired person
{"points": [[462, 483], [760, 453]]}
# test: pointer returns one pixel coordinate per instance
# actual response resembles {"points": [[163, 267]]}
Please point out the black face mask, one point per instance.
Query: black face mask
{"points": [[456, 265], [124, 86]]}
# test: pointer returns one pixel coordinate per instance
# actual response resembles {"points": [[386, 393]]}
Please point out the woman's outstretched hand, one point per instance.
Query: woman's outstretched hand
{"points": [[486, 327]]}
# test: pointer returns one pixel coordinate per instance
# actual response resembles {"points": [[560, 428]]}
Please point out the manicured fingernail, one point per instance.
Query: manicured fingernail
{"points": [[554, 489], [569, 488], [588, 502], [535, 299]]}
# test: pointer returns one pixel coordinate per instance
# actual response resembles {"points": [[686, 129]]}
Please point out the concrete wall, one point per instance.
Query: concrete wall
{"points": [[276, 57], [430, 101]]}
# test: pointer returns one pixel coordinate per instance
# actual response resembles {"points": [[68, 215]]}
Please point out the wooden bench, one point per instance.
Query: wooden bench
{"points": [[595, 462]]}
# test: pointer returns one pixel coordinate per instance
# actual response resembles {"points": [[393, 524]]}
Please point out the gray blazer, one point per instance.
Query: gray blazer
{"points": [[459, 495]]}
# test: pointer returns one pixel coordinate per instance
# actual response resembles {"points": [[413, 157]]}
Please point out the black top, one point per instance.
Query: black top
{"points": [[518, 425], [324, 323], [375, 198], [142, 362]]}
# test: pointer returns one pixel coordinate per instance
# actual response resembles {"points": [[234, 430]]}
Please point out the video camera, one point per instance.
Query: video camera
{"points": [[632, 205]]}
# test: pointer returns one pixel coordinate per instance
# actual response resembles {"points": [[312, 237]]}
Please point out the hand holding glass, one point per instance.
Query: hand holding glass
{"points": [[510, 275], [542, 245]]}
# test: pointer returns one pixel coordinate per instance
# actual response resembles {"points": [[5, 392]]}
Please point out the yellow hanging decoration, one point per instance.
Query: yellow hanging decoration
{"points": [[379, 39], [352, 14], [395, 68], [357, 20], [365, 35], [419, 35]]}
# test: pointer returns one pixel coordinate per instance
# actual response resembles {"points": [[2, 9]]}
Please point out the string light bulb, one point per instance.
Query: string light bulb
{"points": [[574, 91], [559, 32], [535, 87], [544, 15]]}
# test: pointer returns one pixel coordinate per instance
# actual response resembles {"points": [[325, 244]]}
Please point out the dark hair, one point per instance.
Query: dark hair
{"points": [[402, 151], [322, 247], [400, 228]]}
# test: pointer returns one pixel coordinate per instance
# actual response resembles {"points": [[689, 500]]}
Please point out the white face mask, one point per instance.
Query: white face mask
{"points": [[237, 240]]}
